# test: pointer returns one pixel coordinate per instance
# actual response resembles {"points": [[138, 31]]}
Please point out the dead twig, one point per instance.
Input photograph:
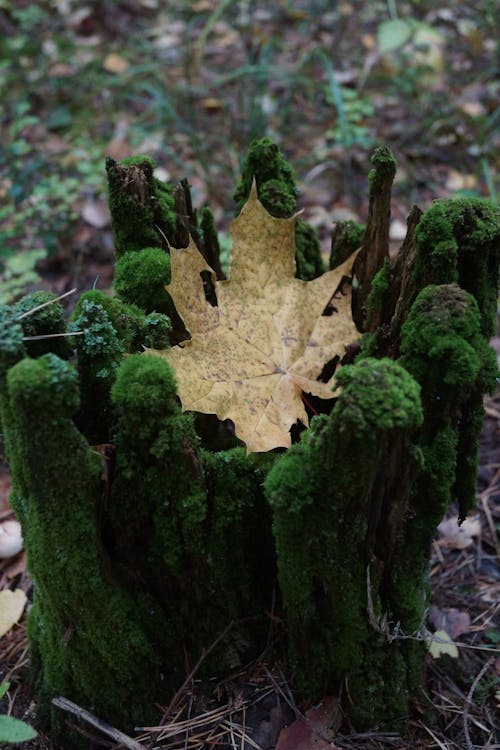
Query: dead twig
{"points": [[107, 729]]}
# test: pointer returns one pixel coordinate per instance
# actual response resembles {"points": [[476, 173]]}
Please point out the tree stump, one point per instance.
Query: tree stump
{"points": [[149, 531]]}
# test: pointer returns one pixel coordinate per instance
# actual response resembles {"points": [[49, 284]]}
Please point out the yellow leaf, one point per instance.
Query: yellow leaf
{"points": [[250, 358], [114, 63], [12, 605], [441, 643]]}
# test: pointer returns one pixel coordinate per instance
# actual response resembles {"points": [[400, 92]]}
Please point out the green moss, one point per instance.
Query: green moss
{"points": [[128, 320], [278, 194], [384, 168], [49, 320], [459, 241], [141, 558], [378, 289], [245, 570], [99, 351], [307, 252], [158, 463], [377, 394], [348, 235], [144, 162], [444, 349], [207, 227], [140, 279], [11, 337], [265, 162], [188, 509], [156, 331], [11, 351], [323, 525], [89, 637], [141, 206], [442, 342]]}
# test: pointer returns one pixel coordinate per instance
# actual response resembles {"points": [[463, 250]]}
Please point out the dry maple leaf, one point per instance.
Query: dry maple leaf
{"points": [[250, 358]]}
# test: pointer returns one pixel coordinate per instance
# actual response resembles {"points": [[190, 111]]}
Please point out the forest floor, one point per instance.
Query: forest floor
{"points": [[192, 83]]}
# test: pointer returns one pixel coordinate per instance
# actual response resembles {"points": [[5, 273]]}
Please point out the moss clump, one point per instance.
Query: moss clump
{"points": [[346, 239], [277, 192], [384, 168], [307, 252], [159, 482], [145, 547], [140, 279], [11, 337], [158, 447], [325, 531], [87, 636], [133, 327], [141, 206], [46, 321], [239, 511], [265, 163], [459, 241], [156, 332], [100, 351], [127, 320], [108, 330], [442, 344], [444, 348], [377, 394], [189, 527]]}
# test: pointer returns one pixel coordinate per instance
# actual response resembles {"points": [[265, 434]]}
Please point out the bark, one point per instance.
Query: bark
{"points": [[375, 244]]}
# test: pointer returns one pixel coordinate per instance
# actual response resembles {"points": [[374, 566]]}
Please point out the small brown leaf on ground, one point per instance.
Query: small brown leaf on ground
{"points": [[15, 566], [453, 536], [96, 214], [4, 493], [316, 731], [450, 619]]}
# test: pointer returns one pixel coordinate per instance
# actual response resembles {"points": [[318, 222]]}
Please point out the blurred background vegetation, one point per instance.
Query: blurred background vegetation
{"points": [[192, 83]]}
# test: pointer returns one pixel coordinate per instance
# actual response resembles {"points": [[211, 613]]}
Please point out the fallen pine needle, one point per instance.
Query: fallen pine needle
{"points": [[44, 304], [52, 335]]}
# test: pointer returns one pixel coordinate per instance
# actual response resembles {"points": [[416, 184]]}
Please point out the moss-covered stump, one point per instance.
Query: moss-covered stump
{"points": [[149, 532], [131, 542], [340, 499], [88, 636]]}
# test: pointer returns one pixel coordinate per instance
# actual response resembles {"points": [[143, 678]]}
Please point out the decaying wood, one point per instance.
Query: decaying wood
{"points": [[402, 287], [341, 247], [186, 216], [375, 243]]}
